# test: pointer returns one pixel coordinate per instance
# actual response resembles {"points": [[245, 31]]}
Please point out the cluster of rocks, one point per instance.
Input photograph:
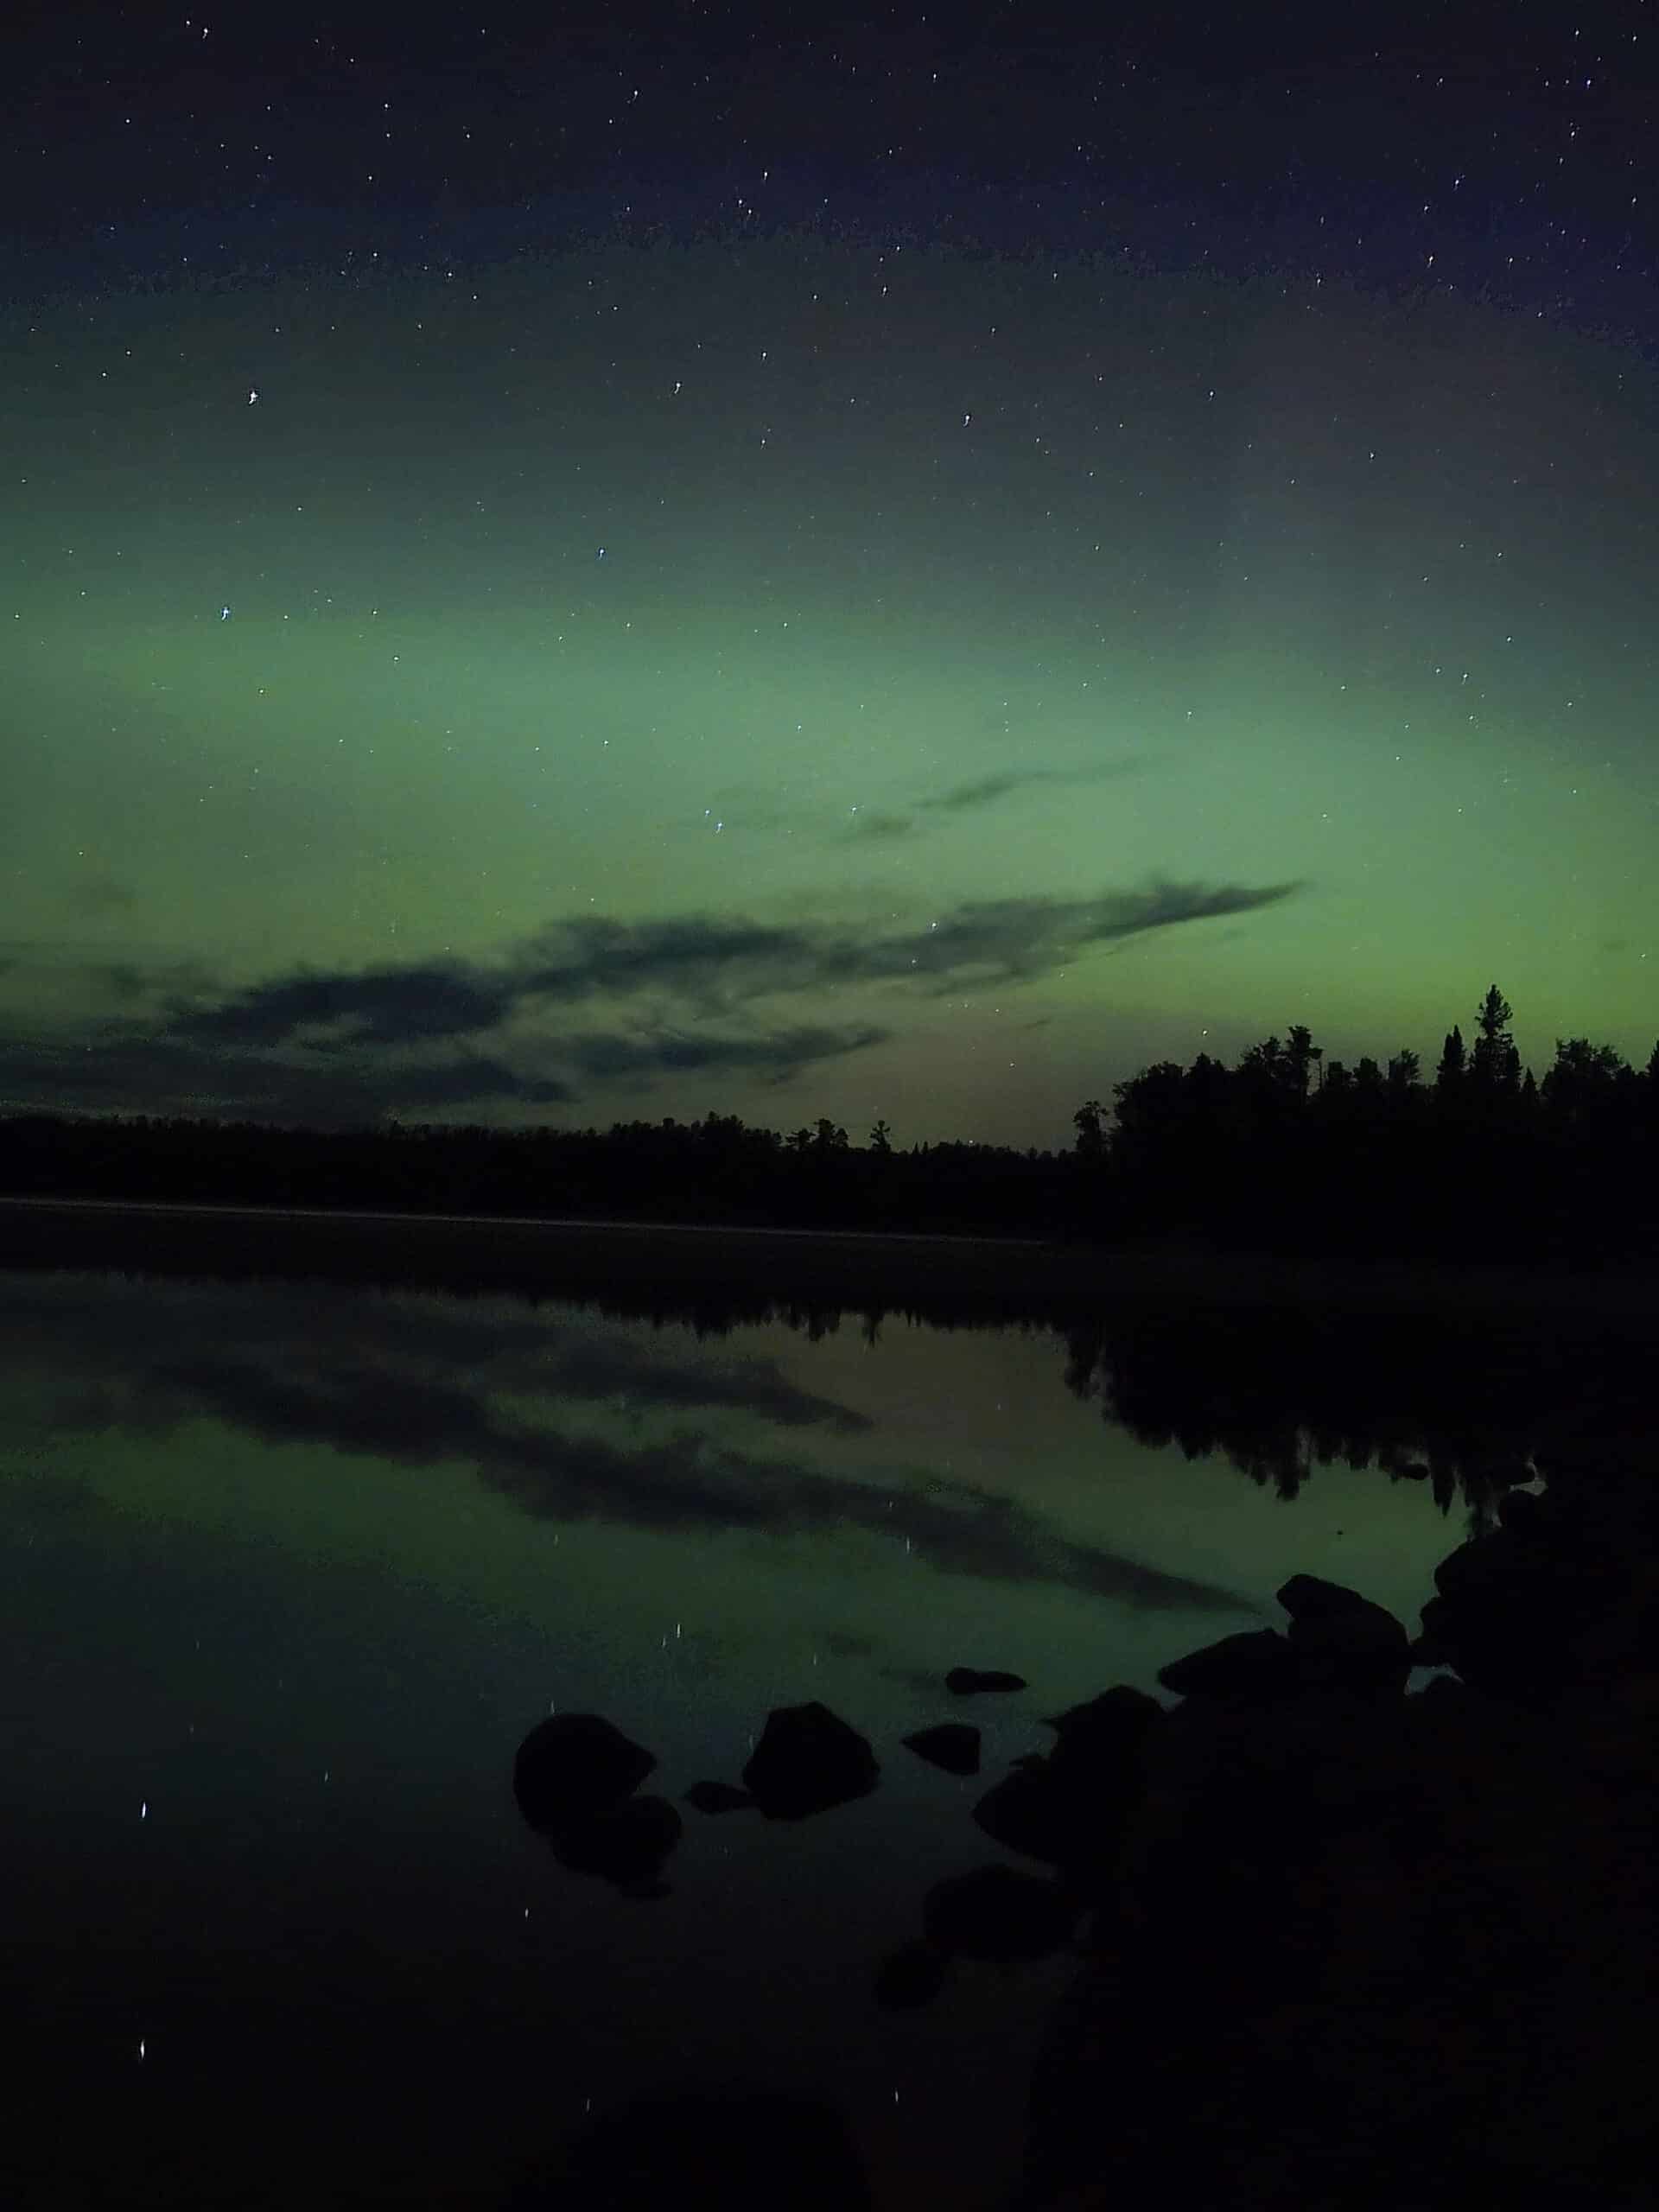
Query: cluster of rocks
{"points": [[575, 1776], [1073, 1807], [1563, 1594], [1380, 1950], [1384, 1948]]}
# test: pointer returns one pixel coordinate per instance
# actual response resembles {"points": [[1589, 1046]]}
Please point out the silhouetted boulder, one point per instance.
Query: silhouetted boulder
{"points": [[720, 2147], [574, 1764], [1245, 1803], [1110, 1729], [953, 1744], [1070, 1808], [807, 1760], [1355, 1651], [970, 1681], [1524, 1512], [1027, 1811], [1330, 1759], [1343, 1640], [1529, 1609], [1480, 1564], [912, 1975], [1311, 1598], [996, 1912], [1378, 1952], [717, 1797], [1251, 1667], [1426, 1648], [625, 1844]]}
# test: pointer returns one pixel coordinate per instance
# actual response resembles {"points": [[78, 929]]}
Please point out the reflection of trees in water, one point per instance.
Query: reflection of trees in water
{"points": [[1448, 1397], [1281, 1391], [1216, 1386]]}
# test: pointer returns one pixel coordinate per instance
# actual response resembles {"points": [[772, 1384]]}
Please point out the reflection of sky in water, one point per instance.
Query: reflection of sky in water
{"points": [[294, 1570]]}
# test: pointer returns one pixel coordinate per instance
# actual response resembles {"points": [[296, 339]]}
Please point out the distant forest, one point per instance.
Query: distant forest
{"points": [[1286, 1151]]}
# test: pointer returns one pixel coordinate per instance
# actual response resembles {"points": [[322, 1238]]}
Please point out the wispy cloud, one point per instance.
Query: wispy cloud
{"points": [[870, 822], [720, 962], [705, 962], [986, 791], [873, 823], [384, 1005], [775, 1054], [678, 995], [116, 1071], [121, 1069]]}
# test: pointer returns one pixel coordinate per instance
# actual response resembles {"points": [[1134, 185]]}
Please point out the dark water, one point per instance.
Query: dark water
{"points": [[286, 1572]]}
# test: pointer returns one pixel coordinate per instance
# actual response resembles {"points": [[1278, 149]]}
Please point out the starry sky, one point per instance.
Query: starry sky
{"points": [[614, 563]]}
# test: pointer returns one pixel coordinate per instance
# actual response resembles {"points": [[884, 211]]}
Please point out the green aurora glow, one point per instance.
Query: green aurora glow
{"points": [[834, 589]]}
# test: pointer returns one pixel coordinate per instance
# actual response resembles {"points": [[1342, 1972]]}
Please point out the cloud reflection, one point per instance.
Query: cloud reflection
{"points": [[419, 1382]]}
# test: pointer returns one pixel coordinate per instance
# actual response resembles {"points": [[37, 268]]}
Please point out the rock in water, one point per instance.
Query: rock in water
{"points": [[1353, 1651], [574, 1764], [807, 1760], [1311, 1598], [1070, 1808], [1110, 1729], [625, 1844], [1345, 1641], [717, 1797], [1249, 1669], [1028, 1811], [954, 1745], [968, 1681]]}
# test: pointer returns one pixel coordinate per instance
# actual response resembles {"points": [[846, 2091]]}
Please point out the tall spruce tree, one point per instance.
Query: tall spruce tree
{"points": [[1448, 1076], [1494, 1064]]}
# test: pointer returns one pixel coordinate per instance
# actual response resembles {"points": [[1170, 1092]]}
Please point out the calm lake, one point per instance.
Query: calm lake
{"points": [[289, 1570]]}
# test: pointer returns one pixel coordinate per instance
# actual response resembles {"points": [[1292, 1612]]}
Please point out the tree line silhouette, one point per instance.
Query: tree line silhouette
{"points": [[718, 1170], [1289, 1150], [1286, 1150]]}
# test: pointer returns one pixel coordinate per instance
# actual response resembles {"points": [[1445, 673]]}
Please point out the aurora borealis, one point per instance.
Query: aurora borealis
{"points": [[553, 579]]}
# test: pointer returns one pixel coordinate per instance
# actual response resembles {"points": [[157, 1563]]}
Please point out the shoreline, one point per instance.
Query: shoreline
{"points": [[550, 1257]]}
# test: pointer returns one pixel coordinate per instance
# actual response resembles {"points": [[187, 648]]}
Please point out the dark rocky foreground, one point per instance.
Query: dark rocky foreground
{"points": [[1342, 1946], [1359, 1948]]}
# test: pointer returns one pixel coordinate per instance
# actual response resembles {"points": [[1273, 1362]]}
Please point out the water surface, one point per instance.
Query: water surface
{"points": [[290, 1569]]}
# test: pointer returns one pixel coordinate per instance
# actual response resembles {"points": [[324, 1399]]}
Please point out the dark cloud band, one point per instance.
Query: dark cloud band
{"points": [[686, 994]]}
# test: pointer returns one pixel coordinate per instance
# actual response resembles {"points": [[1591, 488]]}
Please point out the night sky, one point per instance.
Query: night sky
{"points": [[608, 564]]}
